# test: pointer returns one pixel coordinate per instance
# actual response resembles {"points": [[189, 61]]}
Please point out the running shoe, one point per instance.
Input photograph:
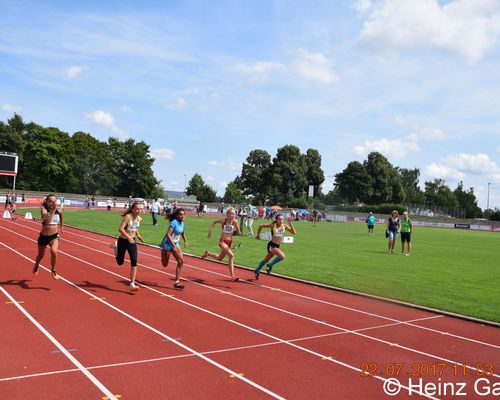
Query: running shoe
{"points": [[133, 287], [35, 270], [268, 269], [54, 273], [178, 285], [257, 273], [234, 278]]}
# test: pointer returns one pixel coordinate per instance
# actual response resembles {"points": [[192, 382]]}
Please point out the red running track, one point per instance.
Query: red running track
{"points": [[86, 336]]}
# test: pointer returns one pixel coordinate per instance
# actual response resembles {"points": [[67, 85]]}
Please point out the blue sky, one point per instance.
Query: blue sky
{"points": [[204, 83]]}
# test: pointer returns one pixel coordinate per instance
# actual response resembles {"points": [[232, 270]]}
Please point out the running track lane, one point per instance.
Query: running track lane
{"points": [[344, 341]]}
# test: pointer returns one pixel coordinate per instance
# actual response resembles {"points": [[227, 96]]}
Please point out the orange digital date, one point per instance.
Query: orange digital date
{"points": [[394, 369]]}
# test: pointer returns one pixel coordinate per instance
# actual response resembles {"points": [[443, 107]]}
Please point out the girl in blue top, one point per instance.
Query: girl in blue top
{"points": [[170, 244]]}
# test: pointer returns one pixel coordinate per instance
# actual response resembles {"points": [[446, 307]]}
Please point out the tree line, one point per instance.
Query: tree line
{"points": [[52, 160], [286, 178]]}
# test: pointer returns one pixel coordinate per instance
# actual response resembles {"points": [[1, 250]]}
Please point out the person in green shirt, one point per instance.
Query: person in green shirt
{"points": [[406, 228]]}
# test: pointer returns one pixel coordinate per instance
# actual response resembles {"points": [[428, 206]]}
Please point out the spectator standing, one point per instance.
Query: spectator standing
{"points": [[155, 209], [392, 230], [370, 223], [406, 229], [251, 214]]}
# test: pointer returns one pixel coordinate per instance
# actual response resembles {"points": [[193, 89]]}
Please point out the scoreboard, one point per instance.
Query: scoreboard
{"points": [[8, 164]]}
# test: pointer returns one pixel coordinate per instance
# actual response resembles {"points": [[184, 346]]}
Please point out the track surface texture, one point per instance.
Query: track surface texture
{"points": [[86, 336]]}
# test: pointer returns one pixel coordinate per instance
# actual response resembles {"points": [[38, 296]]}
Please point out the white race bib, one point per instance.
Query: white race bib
{"points": [[280, 232], [228, 229]]}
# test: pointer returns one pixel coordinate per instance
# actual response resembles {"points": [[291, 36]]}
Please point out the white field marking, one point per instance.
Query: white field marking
{"points": [[283, 341], [391, 344], [68, 355], [150, 360], [149, 327], [316, 300]]}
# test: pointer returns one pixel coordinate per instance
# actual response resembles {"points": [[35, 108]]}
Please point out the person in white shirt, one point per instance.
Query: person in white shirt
{"points": [[155, 209], [251, 214]]}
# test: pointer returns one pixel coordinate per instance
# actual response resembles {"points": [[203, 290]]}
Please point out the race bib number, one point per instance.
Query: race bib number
{"points": [[176, 237], [228, 229], [280, 232]]}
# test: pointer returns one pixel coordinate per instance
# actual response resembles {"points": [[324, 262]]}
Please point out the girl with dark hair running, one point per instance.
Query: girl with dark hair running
{"points": [[278, 228], [170, 244], [52, 225], [229, 225], [129, 230]]}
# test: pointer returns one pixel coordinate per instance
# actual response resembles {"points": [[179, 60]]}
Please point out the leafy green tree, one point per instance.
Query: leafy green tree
{"points": [[50, 161], [233, 194], [386, 184], [439, 194], [11, 140], [410, 183], [353, 183], [195, 186], [256, 175], [289, 174], [94, 166], [207, 194], [332, 197], [132, 165], [315, 175], [467, 200]]}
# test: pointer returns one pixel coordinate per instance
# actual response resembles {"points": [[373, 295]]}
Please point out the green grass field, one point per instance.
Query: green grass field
{"points": [[452, 270]]}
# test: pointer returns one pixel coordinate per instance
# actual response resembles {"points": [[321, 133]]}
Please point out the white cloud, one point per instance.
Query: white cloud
{"points": [[230, 165], [315, 67], [467, 27], [105, 119], [498, 149], [457, 166], [363, 5], [178, 105], [9, 108], [393, 148], [477, 164], [435, 170], [164, 153], [210, 178], [73, 72]]}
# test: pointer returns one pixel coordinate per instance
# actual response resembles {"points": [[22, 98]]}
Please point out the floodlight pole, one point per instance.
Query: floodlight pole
{"points": [[488, 197]]}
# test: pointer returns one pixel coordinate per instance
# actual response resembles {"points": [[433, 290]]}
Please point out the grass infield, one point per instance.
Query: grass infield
{"points": [[452, 270]]}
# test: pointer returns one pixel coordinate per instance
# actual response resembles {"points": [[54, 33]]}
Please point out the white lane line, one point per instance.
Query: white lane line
{"points": [[286, 342], [317, 300], [253, 346], [391, 344], [149, 327], [68, 355]]}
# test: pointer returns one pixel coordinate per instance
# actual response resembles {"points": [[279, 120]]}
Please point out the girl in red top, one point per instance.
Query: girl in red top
{"points": [[229, 225]]}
